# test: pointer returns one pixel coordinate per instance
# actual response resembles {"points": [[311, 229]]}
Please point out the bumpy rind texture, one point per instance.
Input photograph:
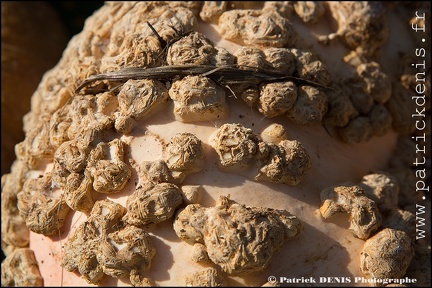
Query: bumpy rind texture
{"points": [[259, 232]]}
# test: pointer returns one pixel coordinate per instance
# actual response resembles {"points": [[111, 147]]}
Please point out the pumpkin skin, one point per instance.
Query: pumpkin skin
{"points": [[294, 259], [324, 249]]}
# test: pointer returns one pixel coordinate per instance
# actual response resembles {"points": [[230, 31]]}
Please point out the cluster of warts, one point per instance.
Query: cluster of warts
{"points": [[79, 172], [218, 232], [105, 244], [129, 81], [376, 218], [280, 161], [288, 82]]}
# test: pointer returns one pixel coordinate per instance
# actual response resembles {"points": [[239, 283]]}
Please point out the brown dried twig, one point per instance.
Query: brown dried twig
{"points": [[223, 75]]}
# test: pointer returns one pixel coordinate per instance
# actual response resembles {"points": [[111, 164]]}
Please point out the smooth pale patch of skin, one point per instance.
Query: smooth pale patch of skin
{"points": [[325, 248]]}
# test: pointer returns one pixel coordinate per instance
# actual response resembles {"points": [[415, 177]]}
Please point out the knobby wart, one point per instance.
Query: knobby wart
{"points": [[166, 44]]}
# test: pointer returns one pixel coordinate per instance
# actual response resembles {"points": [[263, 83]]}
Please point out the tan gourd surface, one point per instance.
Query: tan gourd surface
{"points": [[324, 248]]}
